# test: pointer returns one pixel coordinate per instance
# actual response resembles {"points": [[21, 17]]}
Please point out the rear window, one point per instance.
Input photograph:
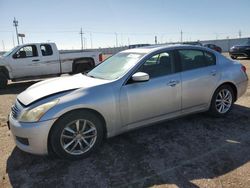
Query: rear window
{"points": [[193, 59], [46, 50]]}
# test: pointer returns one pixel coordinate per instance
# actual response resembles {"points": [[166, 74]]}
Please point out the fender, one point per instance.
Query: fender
{"points": [[6, 71]]}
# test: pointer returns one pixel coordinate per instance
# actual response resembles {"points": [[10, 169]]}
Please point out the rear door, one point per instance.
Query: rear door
{"points": [[199, 78], [49, 62]]}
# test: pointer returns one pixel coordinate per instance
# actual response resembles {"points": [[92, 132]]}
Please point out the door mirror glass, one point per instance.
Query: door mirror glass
{"points": [[140, 77]]}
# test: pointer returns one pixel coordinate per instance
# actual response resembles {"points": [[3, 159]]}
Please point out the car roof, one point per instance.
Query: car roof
{"points": [[153, 48]]}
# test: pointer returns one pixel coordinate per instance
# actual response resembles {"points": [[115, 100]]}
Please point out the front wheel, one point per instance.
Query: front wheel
{"points": [[76, 135], [222, 101], [3, 81]]}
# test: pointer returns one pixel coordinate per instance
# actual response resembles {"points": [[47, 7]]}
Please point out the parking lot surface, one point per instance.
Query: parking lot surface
{"points": [[193, 151]]}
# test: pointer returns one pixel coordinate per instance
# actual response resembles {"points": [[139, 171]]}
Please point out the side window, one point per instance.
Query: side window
{"points": [[210, 58], [26, 51], [192, 59], [46, 50], [158, 65]]}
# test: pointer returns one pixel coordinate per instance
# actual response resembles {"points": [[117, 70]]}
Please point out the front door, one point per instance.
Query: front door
{"points": [[25, 62], [154, 99]]}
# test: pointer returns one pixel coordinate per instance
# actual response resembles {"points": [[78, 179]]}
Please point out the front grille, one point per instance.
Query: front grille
{"points": [[16, 110]]}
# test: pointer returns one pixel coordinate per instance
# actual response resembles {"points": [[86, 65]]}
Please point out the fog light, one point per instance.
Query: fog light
{"points": [[24, 141]]}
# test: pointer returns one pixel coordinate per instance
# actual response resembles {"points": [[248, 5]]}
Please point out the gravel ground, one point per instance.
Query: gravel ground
{"points": [[194, 151]]}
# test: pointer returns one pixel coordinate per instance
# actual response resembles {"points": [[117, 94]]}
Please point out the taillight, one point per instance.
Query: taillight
{"points": [[243, 68], [100, 58]]}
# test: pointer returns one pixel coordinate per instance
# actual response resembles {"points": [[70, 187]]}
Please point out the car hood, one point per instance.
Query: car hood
{"points": [[57, 85]]}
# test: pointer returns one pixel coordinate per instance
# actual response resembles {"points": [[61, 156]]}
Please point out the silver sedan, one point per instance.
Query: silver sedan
{"points": [[70, 116]]}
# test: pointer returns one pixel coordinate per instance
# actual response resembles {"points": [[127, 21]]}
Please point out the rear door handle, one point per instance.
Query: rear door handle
{"points": [[173, 83], [213, 73], [36, 60]]}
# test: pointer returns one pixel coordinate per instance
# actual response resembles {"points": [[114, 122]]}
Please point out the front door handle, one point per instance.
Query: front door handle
{"points": [[173, 83], [213, 73], [36, 60]]}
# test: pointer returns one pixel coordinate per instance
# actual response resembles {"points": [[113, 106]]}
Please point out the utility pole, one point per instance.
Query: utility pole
{"points": [[91, 42], [85, 42], [15, 23], [155, 39], [116, 40], [3, 46], [181, 35], [240, 33], [13, 40], [81, 33]]}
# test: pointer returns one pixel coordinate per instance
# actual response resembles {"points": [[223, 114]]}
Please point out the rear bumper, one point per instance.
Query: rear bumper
{"points": [[241, 88], [31, 137]]}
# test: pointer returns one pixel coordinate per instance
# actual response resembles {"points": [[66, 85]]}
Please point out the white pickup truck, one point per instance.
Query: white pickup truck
{"points": [[39, 60]]}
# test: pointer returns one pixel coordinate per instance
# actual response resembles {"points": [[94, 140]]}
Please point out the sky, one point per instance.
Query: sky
{"points": [[107, 23]]}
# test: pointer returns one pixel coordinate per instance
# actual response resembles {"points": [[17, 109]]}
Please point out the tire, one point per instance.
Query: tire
{"points": [[222, 101], [3, 81], [234, 57], [81, 68], [68, 143]]}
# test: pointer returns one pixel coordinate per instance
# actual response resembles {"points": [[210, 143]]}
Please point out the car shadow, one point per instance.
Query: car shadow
{"points": [[17, 87], [173, 152]]}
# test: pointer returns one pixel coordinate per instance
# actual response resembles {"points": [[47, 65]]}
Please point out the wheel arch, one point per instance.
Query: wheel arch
{"points": [[5, 71], [98, 114], [233, 86], [90, 61]]}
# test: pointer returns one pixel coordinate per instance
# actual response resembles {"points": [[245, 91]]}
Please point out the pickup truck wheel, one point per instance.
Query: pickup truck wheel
{"points": [[3, 81], [81, 68], [76, 135]]}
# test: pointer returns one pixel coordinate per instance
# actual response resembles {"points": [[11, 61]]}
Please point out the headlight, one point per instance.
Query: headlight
{"points": [[36, 113]]}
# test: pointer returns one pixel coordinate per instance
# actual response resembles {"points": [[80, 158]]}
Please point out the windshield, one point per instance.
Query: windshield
{"points": [[115, 66], [8, 53]]}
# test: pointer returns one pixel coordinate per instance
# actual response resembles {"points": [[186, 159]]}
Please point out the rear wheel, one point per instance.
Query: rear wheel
{"points": [[81, 68], [3, 81], [222, 101], [76, 135]]}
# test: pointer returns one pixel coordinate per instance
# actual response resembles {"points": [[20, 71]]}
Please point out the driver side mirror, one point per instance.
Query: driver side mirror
{"points": [[15, 56], [140, 77]]}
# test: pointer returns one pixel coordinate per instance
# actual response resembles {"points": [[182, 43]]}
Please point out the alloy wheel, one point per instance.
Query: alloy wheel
{"points": [[78, 137], [223, 101]]}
